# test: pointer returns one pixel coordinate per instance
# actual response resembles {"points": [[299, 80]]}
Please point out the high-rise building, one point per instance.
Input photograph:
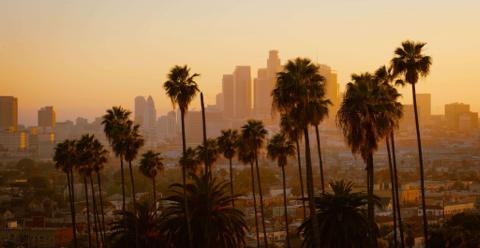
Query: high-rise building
{"points": [[219, 101], [81, 121], [193, 127], [424, 102], [408, 116], [242, 92], [263, 86], [150, 114], [452, 113], [46, 117], [8, 113], [227, 92], [140, 105], [167, 125]]}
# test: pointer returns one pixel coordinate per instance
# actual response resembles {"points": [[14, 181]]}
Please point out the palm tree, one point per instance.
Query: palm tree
{"points": [[131, 141], [64, 160], [410, 231], [254, 134], [213, 153], [149, 228], [343, 220], [293, 133], [181, 88], [247, 156], [385, 78], [101, 159], [409, 62], [228, 224], [227, 144], [365, 119], [84, 150], [299, 93], [190, 161], [150, 164], [280, 149], [112, 122]]}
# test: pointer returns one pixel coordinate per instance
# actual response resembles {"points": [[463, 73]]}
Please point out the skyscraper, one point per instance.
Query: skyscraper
{"points": [[453, 112], [8, 113], [424, 101], [46, 117], [219, 101], [242, 92], [150, 114], [263, 86], [140, 105], [227, 92]]}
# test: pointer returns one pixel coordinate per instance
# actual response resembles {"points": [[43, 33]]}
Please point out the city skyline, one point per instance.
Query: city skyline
{"points": [[81, 60]]}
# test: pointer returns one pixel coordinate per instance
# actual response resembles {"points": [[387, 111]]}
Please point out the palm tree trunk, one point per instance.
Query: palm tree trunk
{"points": [[320, 159], [371, 207], [310, 190], [285, 206], [72, 210], [255, 205], [95, 216], [205, 149], [123, 203], [261, 201], [395, 242], [101, 205], [88, 214], [402, 240], [301, 180], [187, 215], [420, 156], [231, 183], [134, 203]]}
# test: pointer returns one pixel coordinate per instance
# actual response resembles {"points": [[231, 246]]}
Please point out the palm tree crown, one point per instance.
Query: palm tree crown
{"points": [[213, 152], [181, 88], [280, 149], [410, 62], [190, 161], [227, 143], [151, 163]]}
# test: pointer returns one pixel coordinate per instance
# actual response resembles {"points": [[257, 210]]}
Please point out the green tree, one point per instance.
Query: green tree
{"points": [[410, 62], [182, 89], [228, 223], [343, 220], [253, 135], [227, 144], [26, 165], [112, 123], [280, 149], [151, 164]]}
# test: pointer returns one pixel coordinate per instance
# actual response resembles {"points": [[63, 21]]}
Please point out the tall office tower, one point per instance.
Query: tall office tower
{"points": [[334, 91], [140, 105], [452, 113], [166, 125], [81, 121], [46, 117], [150, 114], [219, 101], [242, 92], [424, 101], [8, 113], [227, 92], [263, 86], [408, 116]]}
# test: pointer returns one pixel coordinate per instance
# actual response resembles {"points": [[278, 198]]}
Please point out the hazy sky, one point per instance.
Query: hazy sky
{"points": [[83, 57]]}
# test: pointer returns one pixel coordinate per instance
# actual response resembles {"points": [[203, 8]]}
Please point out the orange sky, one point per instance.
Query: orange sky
{"points": [[83, 57]]}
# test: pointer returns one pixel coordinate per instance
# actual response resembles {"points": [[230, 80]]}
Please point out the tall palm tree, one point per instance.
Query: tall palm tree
{"points": [[364, 117], [112, 122], [410, 231], [280, 149], [299, 93], [293, 133], [182, 89], [254, 134], [190, 161], [343, 221], [101, 159], [410, 62], [385, 78], [150, 164], [228, 224], [130, 139], [64, 160], [227, 144], [247, 156], [213, 153]]}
